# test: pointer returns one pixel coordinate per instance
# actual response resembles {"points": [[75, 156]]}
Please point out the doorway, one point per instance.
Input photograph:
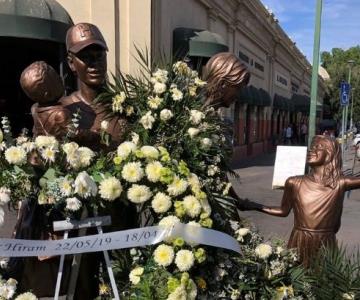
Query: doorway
{"points": [[17, 54]]}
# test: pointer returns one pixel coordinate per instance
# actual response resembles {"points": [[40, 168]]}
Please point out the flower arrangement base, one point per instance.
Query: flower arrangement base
{"points": [[68, 225]]}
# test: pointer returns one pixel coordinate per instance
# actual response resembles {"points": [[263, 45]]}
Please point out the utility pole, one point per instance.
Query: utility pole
{"points": [[352, 108], [315, 71], [350, 63]]}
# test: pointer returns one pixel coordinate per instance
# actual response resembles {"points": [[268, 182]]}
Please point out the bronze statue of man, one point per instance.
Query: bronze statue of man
{"points": [[316, 199], [86, 49]]}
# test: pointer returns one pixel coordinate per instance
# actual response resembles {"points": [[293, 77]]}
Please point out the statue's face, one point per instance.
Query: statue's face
{"points": [[90, 65], [317, 154], [230, 93]]}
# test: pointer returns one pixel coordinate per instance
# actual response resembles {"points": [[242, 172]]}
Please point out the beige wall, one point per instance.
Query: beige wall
{"points": [[244, 25], [124, 23]]}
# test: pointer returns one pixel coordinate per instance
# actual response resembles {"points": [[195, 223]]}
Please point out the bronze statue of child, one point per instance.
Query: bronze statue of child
{"points": [[43, 85], [316, 199]]}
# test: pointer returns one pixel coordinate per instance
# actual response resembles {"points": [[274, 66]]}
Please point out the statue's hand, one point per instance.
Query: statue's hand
{"points": [[246, 204]]}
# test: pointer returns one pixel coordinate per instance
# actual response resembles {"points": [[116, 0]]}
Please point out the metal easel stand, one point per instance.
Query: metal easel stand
{"points": [[68, 225]]}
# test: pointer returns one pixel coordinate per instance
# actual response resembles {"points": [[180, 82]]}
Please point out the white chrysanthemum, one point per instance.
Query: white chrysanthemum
{"points": [[263, 251], [169, 221], [194, 182], [135, 138], [206, 143], [139, 193], [2, 215], [85, 186], [241, 233], [43, 141], [132, 172], [161, 203], [15, 155], [196, 116], [153, 171], [177, 187], [164, 255], [154, 102], [28, 146], [117, 102], [147, 120], [104, 125], [150, 152], [180, 67], [48, 154], [206, 207], [192, 290], [129, 110], [125, 149], [73, 204], [26, 296], [70, 147], [4, 195], [176, 94], [135, 274], [179, 294], [159, 75], [199, 82], [166, 115], [85, 155], [184, 260], [110, 188], [8, 288], [192, 206], [192, 132], [66, 187], [159, 88]]}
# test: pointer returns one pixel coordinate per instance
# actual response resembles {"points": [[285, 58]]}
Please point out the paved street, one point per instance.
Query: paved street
{"points": [[255, 184]]}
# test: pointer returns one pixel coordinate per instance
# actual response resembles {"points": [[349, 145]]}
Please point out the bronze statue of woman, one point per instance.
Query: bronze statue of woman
{"points": [[316, 199]]}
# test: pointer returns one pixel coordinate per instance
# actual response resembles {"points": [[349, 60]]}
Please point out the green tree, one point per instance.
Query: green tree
{"points": [[336, 64]]}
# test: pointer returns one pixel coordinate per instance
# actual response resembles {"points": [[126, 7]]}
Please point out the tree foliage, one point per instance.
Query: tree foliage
{"points": [[337, 65]]}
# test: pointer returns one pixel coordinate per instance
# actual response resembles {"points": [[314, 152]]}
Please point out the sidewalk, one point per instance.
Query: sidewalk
{"points": [[255, 184]]}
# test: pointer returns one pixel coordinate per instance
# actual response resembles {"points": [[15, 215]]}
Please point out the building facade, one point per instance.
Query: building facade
{"points": [[279, 89]]}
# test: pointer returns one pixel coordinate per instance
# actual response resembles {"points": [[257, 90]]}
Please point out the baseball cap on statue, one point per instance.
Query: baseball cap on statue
{"points": [[82, 35]]}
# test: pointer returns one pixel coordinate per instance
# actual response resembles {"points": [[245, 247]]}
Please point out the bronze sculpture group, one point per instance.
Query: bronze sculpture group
{"points": [[316, 198]]}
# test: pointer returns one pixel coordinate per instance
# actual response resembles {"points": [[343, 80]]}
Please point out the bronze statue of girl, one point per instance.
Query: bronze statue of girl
{"points": [[316, 199]]}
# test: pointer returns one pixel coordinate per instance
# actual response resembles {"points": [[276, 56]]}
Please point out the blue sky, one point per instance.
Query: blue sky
{"points": [[340, 26]]}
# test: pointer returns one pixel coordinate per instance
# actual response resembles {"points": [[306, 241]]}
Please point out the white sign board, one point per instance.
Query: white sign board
{"points": [[289, 161]]}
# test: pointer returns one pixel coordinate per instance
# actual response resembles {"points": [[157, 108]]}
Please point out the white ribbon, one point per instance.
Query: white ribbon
{"points": [[117, 240]]}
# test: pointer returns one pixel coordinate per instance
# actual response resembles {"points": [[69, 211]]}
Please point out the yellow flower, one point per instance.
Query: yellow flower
{"points": [[263, 251], [201, 283], [117, 160], [164, 255], [48, 154], [104, 289]]}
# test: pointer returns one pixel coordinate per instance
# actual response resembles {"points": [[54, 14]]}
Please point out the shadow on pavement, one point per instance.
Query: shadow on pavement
{"points": [[260, 161]]}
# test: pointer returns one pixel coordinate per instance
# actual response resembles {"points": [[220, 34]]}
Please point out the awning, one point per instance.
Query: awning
{"points": [[254, 96], [283, 103], [301, 102], [35, 19], [197, 43]]}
